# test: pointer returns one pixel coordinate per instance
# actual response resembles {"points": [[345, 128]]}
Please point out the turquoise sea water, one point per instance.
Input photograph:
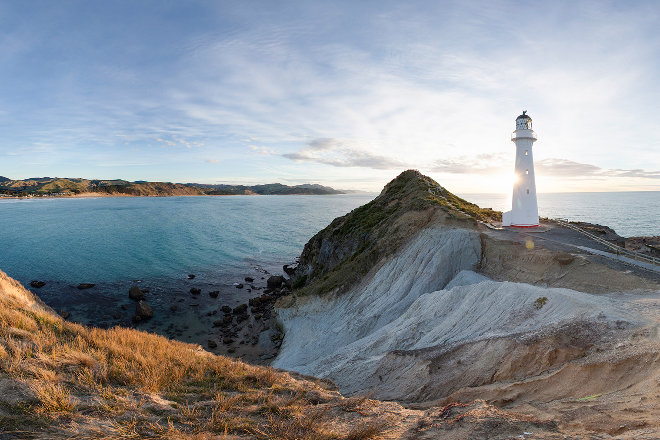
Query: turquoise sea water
{"points": [[105, 240], [113, 239]]}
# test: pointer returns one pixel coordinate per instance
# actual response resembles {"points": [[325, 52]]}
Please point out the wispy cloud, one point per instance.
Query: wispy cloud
{"points": [[176, 141], [571, 169], [338, 153], [265, 151], [479, 164]]}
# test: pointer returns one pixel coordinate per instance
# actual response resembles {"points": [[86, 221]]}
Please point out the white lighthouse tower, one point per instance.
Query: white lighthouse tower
{"points": [[524, 209]]}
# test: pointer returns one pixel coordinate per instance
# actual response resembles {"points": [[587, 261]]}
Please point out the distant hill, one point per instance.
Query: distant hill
{"points": [[55, 186], [267, 189]]}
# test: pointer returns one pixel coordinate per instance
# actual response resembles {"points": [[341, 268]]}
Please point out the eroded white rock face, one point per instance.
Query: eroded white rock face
{"points": [[321, 326], [404, 308]]}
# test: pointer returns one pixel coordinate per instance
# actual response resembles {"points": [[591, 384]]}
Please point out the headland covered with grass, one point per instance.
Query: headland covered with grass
{"points": [[77, 187]]}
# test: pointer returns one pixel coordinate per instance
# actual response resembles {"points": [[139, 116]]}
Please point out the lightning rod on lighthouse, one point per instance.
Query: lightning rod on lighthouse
{"points": [[524, 208]]}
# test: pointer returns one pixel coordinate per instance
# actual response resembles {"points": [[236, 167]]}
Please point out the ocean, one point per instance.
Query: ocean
{"points": [[157, 242], [106, 240], [630, 214]]}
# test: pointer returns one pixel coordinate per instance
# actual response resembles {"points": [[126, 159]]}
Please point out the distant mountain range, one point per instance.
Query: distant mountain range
{"points": [[55, 186]]}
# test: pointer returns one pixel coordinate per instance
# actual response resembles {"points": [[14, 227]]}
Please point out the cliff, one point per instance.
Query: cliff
{"points": [[347, 249], [411, 299]]}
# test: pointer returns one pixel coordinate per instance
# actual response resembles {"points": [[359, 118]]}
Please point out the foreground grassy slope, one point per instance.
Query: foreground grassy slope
{"points": [[61, 380], [342, 253]]}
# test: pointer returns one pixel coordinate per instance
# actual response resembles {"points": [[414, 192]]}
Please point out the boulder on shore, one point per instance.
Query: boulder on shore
{"points": [[135, 293], [275, 281], [290, 269], [143, 310], [241, 310]]}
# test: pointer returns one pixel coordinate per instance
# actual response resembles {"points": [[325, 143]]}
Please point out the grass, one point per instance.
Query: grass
{"points": [[342, 253], [72, 381], [540, 302]]}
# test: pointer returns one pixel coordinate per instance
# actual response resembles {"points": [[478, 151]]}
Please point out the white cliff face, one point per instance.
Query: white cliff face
{"points": [[424, 299], [322, 326]]}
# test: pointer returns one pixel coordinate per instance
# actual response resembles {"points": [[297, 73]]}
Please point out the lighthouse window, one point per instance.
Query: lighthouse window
{"points": [[526, 171], [526, 152], [528, 191]]}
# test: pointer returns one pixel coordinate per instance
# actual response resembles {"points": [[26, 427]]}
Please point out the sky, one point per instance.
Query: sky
{"points": [[341, 93]]}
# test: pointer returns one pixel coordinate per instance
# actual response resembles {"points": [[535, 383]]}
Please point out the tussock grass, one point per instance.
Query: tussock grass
{"points": [[81, 382]]}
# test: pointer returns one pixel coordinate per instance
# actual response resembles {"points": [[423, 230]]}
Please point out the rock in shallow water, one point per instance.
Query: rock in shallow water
{"points": [[143, 310], [135, 293], [37, 284], [83, 286]]}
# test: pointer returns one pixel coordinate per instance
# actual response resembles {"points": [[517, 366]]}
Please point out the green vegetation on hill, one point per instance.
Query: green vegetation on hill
{"points": [[54, 186], [342, 253]]}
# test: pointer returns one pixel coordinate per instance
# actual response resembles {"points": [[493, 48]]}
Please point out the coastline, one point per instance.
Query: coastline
{"points": [[229, 315], [119, 195]]}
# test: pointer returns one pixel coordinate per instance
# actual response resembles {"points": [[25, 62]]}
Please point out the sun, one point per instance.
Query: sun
{"points": [[503, 183]]}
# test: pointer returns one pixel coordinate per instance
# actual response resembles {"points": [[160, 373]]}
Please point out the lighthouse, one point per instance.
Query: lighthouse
{"points": [[524, 208]]}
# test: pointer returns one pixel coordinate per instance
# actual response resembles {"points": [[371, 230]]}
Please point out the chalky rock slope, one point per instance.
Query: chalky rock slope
{"points": [[444, 309]]}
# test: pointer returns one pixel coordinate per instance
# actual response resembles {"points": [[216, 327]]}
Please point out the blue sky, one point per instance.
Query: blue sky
{"points": [[346, 94]]}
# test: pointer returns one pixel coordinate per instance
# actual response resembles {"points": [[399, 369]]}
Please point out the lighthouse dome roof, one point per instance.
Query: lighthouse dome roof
{"points": [[523, 116]]}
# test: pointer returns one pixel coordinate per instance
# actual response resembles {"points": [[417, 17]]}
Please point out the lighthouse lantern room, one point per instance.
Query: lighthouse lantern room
{"points": [[524, 208]]}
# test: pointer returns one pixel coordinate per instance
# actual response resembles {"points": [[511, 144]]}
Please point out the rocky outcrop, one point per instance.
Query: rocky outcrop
{"points": [[340, 255], [135, 293]]}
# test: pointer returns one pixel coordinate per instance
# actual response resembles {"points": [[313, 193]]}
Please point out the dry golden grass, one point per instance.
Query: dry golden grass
{"points": [[127, 384]]}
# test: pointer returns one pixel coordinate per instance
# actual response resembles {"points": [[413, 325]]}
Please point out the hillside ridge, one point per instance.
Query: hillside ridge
{"points": [[62, 187], [342, 253]]}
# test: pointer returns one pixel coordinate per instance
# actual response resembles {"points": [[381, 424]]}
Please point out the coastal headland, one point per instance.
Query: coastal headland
{"points": [[70, 187], [413, 316]]}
